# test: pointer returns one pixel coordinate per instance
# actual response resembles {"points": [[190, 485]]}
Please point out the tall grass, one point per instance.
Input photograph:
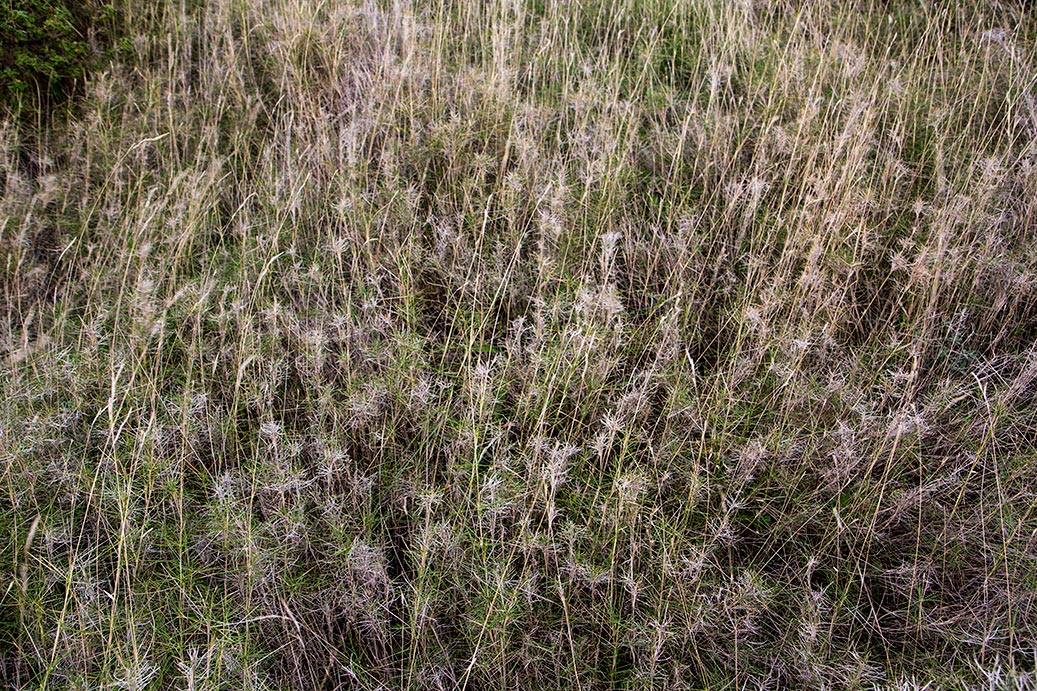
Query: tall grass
{"points": [[601, 345]]}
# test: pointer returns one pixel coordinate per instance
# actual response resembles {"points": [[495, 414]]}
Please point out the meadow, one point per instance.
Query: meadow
{"points": [[615, 344]]}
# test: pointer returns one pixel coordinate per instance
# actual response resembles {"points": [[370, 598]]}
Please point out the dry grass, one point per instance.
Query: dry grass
{"points": [[594, 345]]}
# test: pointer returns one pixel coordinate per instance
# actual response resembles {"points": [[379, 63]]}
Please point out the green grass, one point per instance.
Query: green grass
{"points": [[612, 345]]}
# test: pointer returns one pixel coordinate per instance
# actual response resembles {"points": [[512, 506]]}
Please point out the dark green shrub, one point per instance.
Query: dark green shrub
{"points": [[45, 45]]}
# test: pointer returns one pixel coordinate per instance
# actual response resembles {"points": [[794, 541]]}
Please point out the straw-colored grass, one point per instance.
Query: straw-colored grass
{"points": [[616, 344]]}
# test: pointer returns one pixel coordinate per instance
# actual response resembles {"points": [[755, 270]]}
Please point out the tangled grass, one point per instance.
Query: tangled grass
{"points": [[622, 344]]}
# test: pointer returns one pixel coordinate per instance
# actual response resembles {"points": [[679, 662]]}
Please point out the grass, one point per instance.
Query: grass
{"points": [[603, 345]]}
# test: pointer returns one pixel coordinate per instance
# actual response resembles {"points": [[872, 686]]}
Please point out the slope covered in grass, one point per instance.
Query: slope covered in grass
{"points": [[609, 345]]}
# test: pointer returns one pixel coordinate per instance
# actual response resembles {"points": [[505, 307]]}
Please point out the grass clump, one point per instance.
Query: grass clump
{"points": [[562, 345]]}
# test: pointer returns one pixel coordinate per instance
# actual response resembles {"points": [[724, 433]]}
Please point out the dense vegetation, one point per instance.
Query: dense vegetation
{"points": [[47, 46], [622, 344]]}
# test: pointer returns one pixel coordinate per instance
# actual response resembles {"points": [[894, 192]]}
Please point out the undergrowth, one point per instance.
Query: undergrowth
{"points": [[606, 345]]}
